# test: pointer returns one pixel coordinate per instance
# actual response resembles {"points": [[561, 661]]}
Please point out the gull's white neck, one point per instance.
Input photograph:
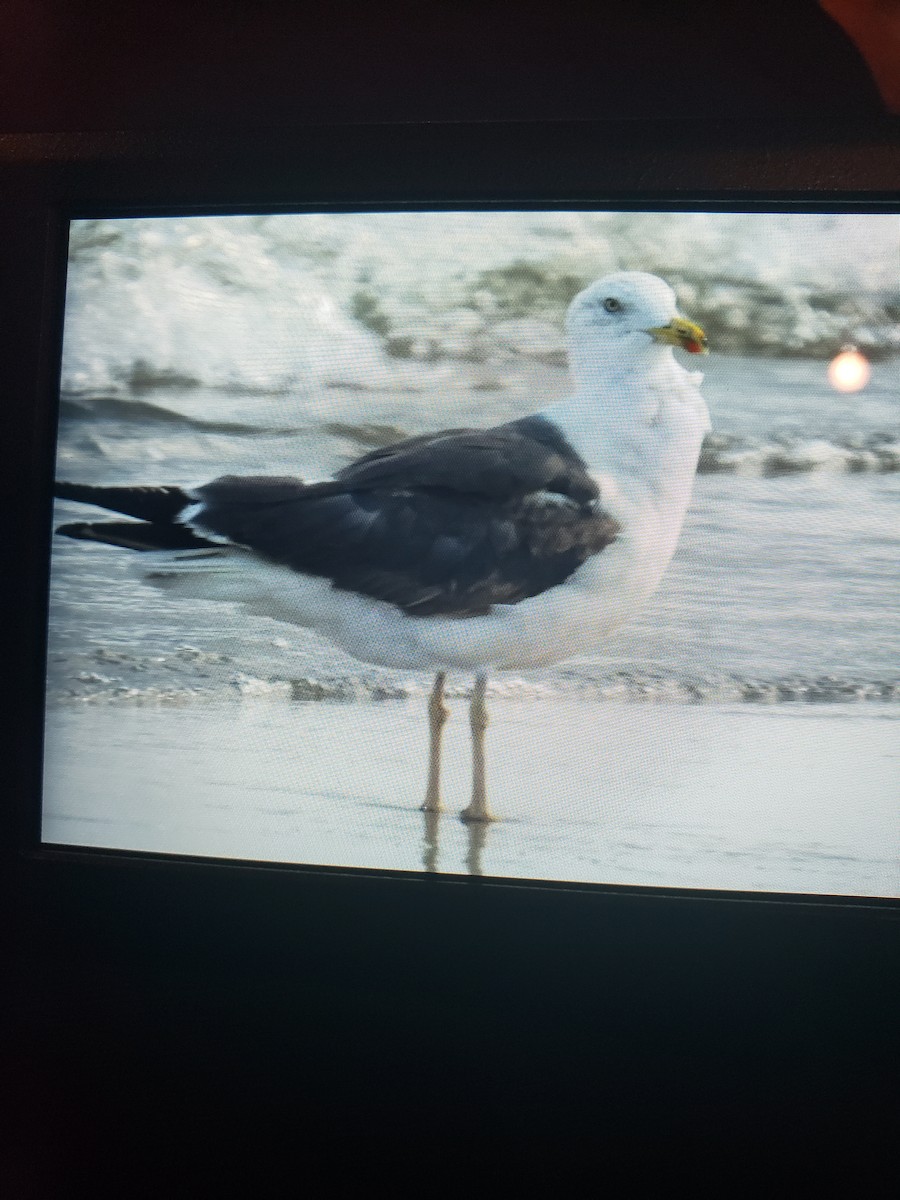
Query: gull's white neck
{"points": [[636, 418]]}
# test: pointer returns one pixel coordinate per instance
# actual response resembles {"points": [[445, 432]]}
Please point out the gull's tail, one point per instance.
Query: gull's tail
{"points": [[153, 504], [155, 509]]}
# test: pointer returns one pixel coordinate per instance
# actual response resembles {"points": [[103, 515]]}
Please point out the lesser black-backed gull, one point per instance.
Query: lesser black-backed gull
{"points": [[478, 550]]}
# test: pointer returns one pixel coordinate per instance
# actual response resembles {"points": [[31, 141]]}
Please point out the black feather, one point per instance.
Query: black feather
{"points": [[157, 504], [137, 535]]}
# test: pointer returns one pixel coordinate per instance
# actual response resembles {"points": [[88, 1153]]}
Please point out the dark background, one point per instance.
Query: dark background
{"points": [[88, 64], [156, 1015]]}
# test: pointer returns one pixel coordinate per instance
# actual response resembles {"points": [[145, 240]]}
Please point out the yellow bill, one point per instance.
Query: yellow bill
{"points": [[682, 333]]}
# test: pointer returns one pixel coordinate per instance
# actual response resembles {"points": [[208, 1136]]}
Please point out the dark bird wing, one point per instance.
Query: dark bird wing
{"points": [[449, 524], [446, 524], [521, 457]]}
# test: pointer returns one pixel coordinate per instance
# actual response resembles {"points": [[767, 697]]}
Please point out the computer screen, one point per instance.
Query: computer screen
{"points": [[547, 544]]}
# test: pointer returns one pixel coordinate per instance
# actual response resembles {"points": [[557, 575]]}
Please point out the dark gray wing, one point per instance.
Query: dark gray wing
{"points": [[519, 458], [446, 524], [450, 524]]}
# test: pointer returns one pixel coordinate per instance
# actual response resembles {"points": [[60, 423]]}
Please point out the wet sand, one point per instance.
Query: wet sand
{"points": [[782, 798]]}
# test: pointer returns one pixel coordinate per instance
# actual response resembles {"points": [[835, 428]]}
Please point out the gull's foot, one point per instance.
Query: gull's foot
{"points": [[432, 804], [470, 815]]}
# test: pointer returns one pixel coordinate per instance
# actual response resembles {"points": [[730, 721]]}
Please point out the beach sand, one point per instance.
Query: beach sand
{"points": [[783, 798]]}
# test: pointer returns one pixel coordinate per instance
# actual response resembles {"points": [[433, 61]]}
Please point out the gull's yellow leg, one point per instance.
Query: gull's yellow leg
{"points": [[478, 718], [438, 712]]}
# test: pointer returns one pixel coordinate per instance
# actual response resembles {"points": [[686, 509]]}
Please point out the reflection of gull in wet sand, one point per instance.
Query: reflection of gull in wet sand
{"points": [[479, 550]]}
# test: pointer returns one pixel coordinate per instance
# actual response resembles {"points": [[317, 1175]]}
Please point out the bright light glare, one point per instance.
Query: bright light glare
{"points": [[849, 371]]}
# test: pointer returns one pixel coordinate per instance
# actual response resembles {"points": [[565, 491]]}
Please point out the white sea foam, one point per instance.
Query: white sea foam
{"points": [[268, 304], [629, 687], [776, 456]]}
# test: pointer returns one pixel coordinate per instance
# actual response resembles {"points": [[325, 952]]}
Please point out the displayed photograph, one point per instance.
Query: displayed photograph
{"points": [[556, 545]]}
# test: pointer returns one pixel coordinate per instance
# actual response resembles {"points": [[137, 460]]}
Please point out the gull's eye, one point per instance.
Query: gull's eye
{"points": [[611, 304]]}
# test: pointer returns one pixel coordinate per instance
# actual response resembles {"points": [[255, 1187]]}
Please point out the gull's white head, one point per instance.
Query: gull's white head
{"points": [[624, 317]]}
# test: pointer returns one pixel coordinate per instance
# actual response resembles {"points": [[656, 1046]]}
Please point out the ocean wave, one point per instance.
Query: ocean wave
{"points": [[189, 675], [104, 407], [769, 456], [776, 455], [272, 303], [779, 455]]}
